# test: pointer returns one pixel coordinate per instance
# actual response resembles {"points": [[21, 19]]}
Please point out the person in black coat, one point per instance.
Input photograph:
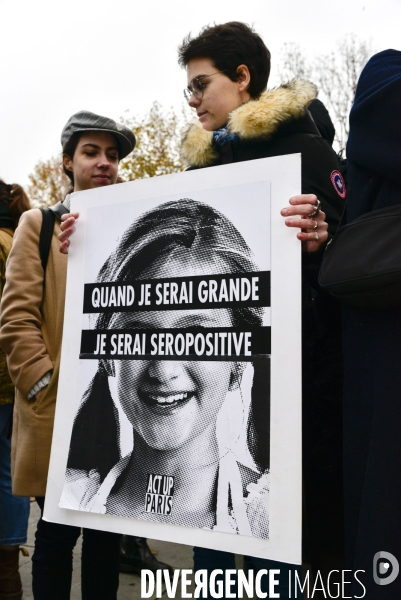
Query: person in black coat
{"points": [[372, 343], [227, 71], [228, 68]]}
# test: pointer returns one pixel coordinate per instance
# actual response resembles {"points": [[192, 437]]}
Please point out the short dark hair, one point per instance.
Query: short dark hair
{"points": [[228, 46]]}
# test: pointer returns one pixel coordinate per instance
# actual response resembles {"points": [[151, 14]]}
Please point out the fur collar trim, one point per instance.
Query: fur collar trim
{"points": [[254, 119]]}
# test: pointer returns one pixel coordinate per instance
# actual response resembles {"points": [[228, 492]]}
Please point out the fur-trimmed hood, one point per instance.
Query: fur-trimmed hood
{"points": [[255, 119]]}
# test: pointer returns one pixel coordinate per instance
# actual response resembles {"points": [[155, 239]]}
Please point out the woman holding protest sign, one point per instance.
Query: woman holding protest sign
{"points": [[32, 323], [228, 68]]}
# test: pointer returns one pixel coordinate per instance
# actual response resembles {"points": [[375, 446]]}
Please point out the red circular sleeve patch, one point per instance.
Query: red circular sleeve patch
{"points": [[338, 183]]}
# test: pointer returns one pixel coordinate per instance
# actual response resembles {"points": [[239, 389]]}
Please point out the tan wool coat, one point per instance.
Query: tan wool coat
{"points": [[32, 313]]}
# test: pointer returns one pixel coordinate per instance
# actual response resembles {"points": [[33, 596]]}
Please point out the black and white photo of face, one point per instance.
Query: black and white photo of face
{"points": [[161, 411], [170, 402]]}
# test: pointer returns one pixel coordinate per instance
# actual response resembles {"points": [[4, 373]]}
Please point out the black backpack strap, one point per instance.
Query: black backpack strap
{"points": [[46, 232], [59, 209]]}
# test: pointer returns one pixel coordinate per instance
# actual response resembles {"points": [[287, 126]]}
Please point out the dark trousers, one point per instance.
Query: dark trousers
{"points": [[52, 561], [204, 558]]}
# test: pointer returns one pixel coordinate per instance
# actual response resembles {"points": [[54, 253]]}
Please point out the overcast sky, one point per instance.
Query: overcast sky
{"points": [[109, 57]]}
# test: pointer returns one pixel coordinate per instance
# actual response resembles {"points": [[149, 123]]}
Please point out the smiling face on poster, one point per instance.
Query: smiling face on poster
{"points": [[172, 418]]}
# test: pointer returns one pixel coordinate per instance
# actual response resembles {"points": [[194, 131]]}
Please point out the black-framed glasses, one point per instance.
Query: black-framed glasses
{"points": [[197, 86]]}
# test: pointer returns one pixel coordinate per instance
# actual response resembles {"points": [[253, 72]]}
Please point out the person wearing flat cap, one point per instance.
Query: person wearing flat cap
{"points": [[31, 331], [135, 553]]}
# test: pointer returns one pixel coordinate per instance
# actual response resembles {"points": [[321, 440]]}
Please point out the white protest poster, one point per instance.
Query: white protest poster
{"points": [[178, 414]]}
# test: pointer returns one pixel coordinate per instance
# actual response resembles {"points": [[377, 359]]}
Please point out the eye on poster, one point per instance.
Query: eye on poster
{"points": [[178, 415]]}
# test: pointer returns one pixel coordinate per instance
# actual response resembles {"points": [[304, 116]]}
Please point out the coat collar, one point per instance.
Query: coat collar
{"points": [[258, 118]]}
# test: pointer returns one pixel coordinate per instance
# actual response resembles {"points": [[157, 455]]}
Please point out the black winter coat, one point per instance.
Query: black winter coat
{"points": [[372, 338], [275, 124], [278, 123]]}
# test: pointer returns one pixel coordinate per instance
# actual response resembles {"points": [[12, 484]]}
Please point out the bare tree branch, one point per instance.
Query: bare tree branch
{"points": [[335, 74]]}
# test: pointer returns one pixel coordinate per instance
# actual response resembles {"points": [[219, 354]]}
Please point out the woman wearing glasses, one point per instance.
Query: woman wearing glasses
{"points": [[227, 72]]}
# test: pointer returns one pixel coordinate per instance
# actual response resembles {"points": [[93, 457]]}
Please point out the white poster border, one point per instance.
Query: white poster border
{"points": [[284, 543]]}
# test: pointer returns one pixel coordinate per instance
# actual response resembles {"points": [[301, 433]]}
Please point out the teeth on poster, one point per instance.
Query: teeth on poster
{"points": [[178, 413]]}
